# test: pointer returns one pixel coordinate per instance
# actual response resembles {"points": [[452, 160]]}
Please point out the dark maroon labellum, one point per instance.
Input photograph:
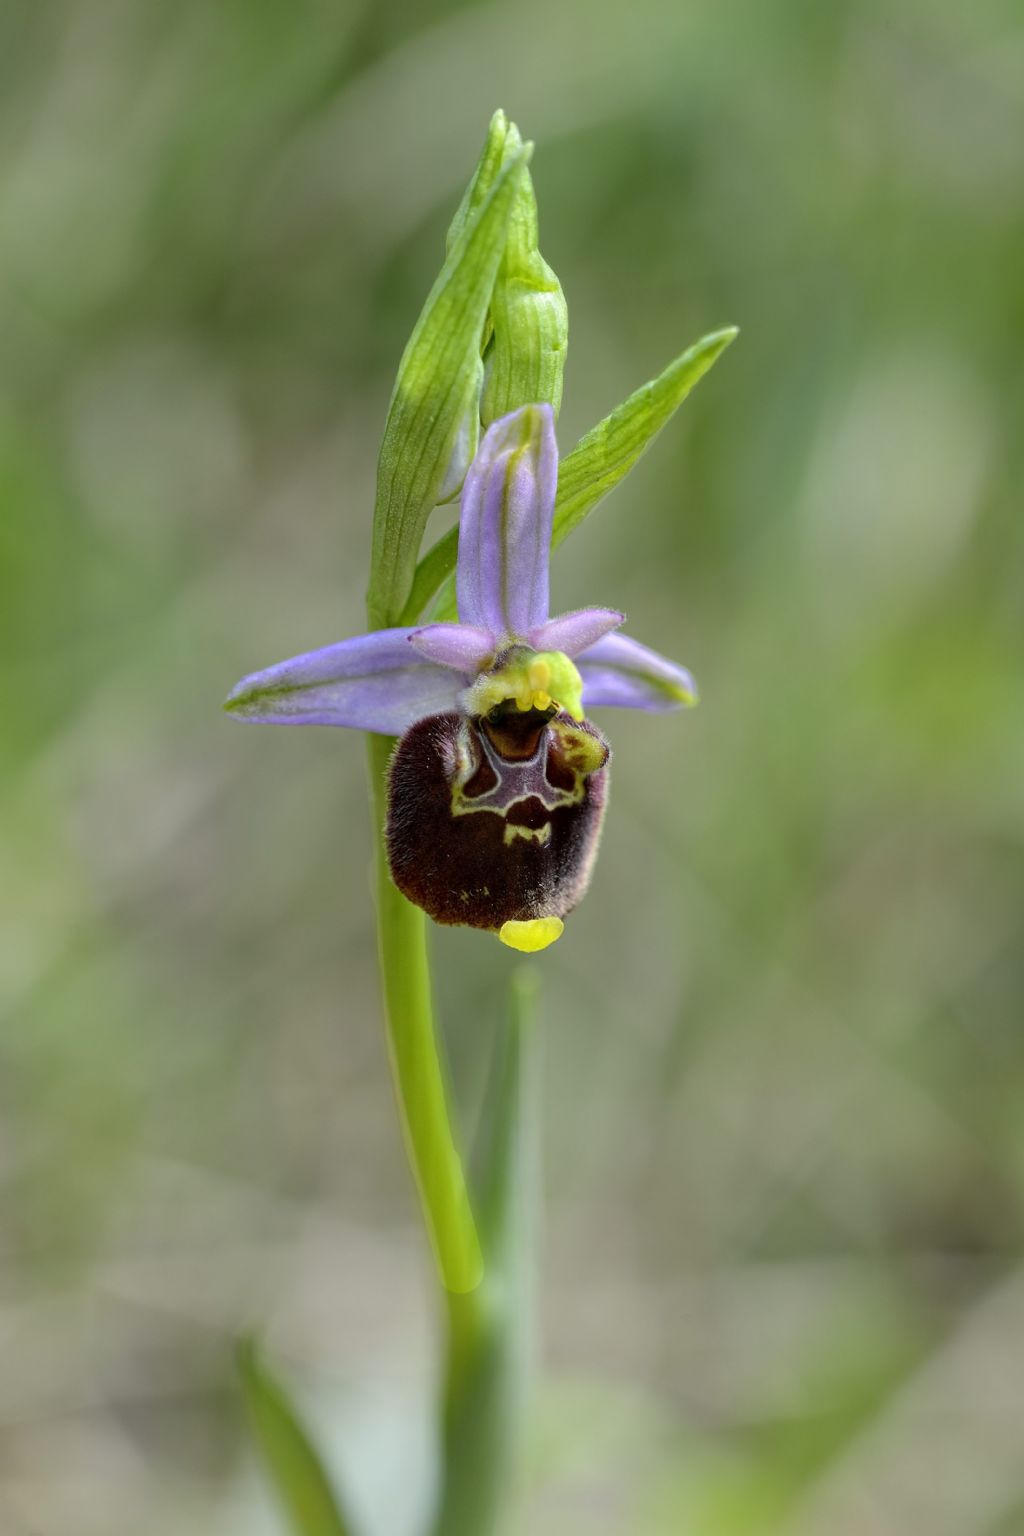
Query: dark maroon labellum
{"points": [[496, 819]]}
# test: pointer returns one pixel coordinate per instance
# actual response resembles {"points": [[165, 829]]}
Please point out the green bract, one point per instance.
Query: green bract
{"points": [[491, 160], [608, 451], [433, 418]]}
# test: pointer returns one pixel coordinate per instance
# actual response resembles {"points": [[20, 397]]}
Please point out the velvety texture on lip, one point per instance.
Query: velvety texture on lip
{"points": [[520, 841]]}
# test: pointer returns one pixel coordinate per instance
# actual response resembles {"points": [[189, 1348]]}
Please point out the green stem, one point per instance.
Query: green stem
{"points": [[490, 1332], [415, 1063]]}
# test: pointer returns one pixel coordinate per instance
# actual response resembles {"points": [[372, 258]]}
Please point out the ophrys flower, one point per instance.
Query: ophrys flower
{"points": [[497, 787]]}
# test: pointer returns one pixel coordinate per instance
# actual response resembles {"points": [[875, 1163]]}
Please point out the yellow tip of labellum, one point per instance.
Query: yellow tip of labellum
{"points": [[531, 936]]}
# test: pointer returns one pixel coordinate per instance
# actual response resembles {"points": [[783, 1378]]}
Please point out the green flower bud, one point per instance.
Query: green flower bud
{"points": [[525, 358]]}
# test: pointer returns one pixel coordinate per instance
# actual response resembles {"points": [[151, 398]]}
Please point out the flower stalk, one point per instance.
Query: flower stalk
{"points": [[491, 1331], [415, 1059]]}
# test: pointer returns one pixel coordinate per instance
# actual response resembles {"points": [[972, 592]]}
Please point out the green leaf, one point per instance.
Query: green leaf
{"points": [[585, 476], [292, 1461], [435, 405], [609, 450], [526, 356], [491, 1330]]}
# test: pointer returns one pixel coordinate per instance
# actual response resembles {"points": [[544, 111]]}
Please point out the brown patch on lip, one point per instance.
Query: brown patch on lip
{"points": [[483, 780], [558, 773], [515, 733]]}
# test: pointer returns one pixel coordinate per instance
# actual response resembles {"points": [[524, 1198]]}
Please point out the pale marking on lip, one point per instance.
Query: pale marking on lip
{"points": [[541, 834]]}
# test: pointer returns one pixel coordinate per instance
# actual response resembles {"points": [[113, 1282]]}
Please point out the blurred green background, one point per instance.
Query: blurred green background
{"points": [[781, 1279]]}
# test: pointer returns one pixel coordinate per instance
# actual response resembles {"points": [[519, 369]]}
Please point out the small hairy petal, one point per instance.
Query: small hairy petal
{"points": [[461, 646], [505, 530], [622, 672], [373, 682], [572, 633]]}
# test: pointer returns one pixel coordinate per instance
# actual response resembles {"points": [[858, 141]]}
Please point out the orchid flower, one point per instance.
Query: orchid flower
{"points": [[497, 787]]}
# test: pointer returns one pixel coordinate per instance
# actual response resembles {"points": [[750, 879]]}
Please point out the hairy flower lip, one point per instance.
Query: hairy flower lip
{"points": [[494, 824]]}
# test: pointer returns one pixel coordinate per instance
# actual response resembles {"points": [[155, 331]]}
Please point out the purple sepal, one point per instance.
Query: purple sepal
{"points": [[508, 504], [573, 632], [621, 672], [373, 682], [461, 646]]}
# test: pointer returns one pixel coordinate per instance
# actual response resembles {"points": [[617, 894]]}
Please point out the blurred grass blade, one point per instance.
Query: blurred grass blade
{"points": [[526, 357], [585, 476], [504, 1175], [609, 450], [435, 405], [491, 1331], [291, 1459]]}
